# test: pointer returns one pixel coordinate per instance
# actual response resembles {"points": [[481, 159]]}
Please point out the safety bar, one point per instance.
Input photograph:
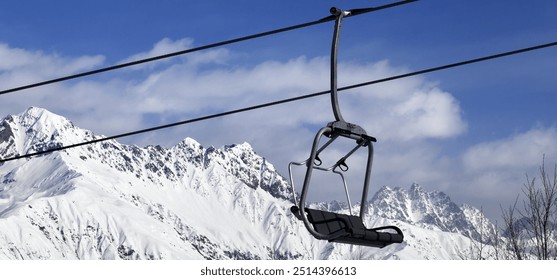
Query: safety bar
{"points": [[332, 168]]}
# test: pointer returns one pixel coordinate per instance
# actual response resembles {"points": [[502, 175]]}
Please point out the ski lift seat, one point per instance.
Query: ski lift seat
{"points": [[331, 226], [351, 229]]}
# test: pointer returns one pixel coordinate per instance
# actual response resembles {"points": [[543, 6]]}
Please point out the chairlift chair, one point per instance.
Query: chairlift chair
{"points": [[331, 226]]}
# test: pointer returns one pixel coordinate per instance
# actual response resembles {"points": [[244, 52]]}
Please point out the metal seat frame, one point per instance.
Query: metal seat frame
{"points": [[313, 162]]}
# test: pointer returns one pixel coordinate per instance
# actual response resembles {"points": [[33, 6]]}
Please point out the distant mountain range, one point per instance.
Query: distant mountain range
{"points": [[113, 201]]}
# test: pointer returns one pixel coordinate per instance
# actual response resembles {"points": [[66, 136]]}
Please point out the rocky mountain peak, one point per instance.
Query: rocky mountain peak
{"points": [[429, 209], [37, 129]]}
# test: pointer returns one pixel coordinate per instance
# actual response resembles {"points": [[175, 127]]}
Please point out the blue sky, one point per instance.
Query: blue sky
{"points": [[472, 132]]}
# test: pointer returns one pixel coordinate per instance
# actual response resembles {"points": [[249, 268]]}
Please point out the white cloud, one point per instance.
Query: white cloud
{"points": [[492, 173], [409, 109], [494, 168], [518, 151], [167, 46], [434, 114], [163, 46], [19, 67]]}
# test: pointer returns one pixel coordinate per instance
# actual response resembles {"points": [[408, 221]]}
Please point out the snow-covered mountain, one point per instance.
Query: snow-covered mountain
{"points": [[114, 201]]}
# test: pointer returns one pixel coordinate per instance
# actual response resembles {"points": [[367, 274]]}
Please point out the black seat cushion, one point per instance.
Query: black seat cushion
{"points": [[352, 228]]}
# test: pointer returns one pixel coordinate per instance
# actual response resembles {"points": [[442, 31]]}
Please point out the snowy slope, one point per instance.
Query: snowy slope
{"points": [[114, 201]]}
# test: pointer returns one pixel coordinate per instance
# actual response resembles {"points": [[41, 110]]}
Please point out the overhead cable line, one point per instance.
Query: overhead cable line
{"points": [[453, 65], [209, 46], [283, 101]]}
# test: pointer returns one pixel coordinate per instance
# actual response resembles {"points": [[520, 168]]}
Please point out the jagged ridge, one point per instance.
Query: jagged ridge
{"points": [[114, 201]]}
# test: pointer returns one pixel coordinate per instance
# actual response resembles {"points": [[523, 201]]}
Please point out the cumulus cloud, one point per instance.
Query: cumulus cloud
{"points": [[496, 167], [162, 47], [492, 173], [19, 66], [517, 151], [407, 110], [168, 46], [433, 114]]}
